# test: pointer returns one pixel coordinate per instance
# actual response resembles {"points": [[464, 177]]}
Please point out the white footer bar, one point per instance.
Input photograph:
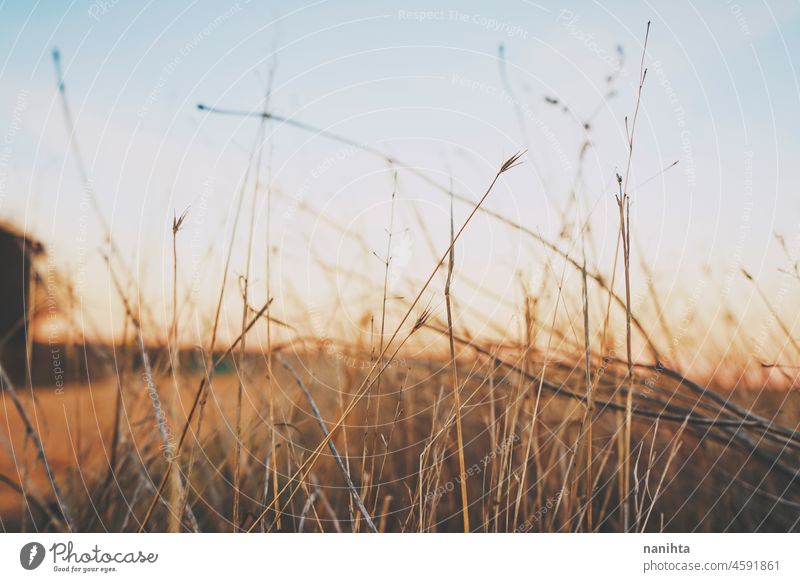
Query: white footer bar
{"points": [[401, 557]]}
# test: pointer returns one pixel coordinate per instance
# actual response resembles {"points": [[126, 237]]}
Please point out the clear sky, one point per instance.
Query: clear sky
{"points": [[450, 87]]}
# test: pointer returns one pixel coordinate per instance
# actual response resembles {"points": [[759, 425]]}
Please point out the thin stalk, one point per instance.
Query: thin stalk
{"points": [[387, 261], [462, 467], [176, 497], [624, 205], [588, 418], [237, 477]]}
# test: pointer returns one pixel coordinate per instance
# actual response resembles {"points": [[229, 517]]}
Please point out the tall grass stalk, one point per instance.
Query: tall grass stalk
{"points": [[176, 500], [455, 387], [624, 206]]}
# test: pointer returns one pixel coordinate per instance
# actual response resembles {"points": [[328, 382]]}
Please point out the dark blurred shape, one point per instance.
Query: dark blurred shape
{"points": [[18, 250]]}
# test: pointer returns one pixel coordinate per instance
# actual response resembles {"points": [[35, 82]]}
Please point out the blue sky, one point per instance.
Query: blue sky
{"points": [[423, 81]]}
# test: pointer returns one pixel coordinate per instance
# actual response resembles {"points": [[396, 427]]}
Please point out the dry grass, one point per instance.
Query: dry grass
{"points": [[686, 475], [427, 427]]}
